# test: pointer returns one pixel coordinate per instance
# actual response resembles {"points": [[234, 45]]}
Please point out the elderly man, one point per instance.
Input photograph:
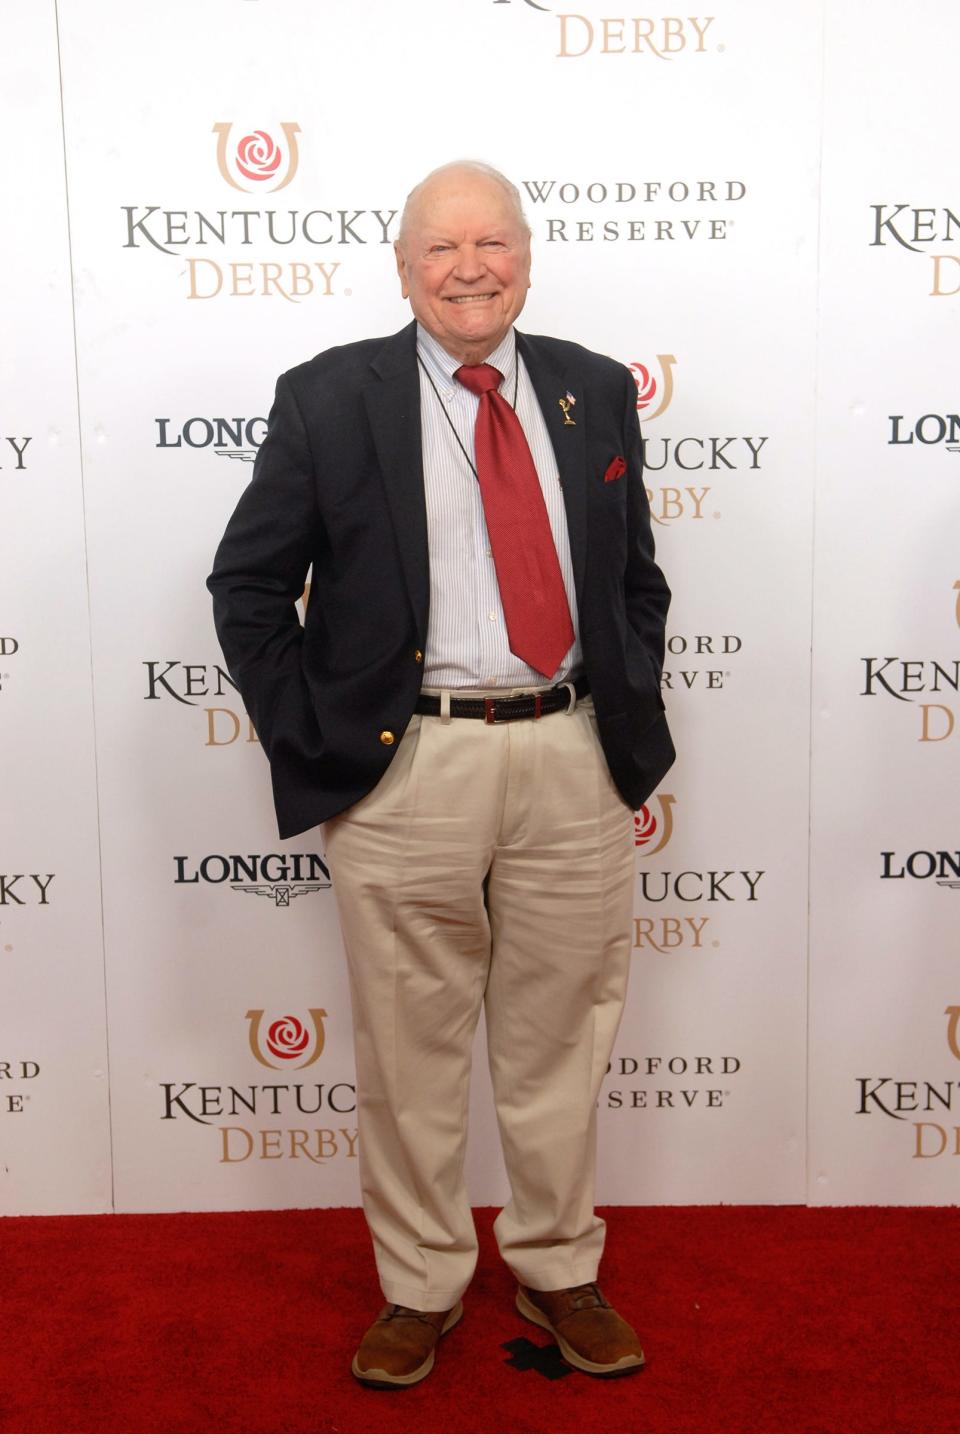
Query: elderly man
{"points": [[472, 706]]}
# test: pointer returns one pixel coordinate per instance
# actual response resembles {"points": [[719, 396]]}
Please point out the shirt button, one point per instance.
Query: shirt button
{"points": [[418, 656], [387, 738], [489, 552], [492, 616]]}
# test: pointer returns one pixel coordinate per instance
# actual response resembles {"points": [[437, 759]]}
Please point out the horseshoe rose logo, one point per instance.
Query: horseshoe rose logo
{"points": [[648, 387], [954, 1013], [648, 825], [287, 1039], [258, 158]]}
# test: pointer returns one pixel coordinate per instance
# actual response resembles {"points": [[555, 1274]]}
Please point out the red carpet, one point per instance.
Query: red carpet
{"points": [[754, 1319]]}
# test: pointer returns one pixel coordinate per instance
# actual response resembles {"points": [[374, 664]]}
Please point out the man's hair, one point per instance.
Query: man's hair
{"points": [[476, 166]]}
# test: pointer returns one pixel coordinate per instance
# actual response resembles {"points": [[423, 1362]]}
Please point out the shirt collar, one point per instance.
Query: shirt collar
{"points": [[443, 366]]}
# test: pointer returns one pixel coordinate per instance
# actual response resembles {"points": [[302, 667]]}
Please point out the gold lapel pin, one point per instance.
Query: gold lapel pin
{"points": [[566, 404]]}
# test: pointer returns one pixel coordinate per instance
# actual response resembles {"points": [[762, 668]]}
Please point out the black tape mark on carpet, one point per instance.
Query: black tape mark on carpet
{"points": [[545, 1359]]}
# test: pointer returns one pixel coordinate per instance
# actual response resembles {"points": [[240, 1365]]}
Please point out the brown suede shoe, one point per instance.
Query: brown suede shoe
{"points": [[590, 1333], [398, 1348]]}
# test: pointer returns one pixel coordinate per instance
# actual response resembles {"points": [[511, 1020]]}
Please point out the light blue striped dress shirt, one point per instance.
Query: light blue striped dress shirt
{"points": [[467, 642]]}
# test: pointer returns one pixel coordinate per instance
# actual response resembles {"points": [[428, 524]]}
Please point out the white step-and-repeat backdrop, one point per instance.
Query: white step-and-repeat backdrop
{"points": [[757, 211]]}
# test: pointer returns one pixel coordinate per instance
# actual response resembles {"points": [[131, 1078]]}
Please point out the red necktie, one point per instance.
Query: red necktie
{"points": [[528, 570]]}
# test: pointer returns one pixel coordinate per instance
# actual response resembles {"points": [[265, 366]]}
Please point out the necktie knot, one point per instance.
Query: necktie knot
{"points": [[479, 378]]}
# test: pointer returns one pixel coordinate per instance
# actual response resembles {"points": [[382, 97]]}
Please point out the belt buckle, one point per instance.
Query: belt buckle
{"points": [[490, 710]]}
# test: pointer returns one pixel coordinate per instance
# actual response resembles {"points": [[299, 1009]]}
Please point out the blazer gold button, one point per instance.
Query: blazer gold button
{"points": [[418, 656], [387, 738]]}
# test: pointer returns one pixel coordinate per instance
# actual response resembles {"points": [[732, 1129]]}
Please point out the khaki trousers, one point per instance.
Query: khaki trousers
{"points": [[492, 865]]}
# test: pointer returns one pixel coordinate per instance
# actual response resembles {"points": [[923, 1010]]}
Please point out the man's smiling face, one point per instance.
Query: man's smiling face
{"points": [[464, 261]]}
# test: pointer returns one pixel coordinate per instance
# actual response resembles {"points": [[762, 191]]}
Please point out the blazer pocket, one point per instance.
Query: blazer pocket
{"points": [[615, 469]]}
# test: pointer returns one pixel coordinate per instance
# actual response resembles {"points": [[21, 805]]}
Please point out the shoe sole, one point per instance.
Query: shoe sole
{"points": [[629, 1364], [381, 1379]]}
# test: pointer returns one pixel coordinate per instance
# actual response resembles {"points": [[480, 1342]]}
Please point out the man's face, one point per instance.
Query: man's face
{"points": [[464, 263]]}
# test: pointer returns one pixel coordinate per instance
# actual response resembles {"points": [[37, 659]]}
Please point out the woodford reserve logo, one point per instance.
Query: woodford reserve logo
{"points": [[284, 1043], [690, 454], [235, 240], [13, 1100], [899, 1099], [907, 679], [683, 929], [662, 37], [693, 1084]]}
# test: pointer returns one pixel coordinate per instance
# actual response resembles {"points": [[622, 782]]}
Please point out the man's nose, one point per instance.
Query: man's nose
{"points": [[470, 265]]}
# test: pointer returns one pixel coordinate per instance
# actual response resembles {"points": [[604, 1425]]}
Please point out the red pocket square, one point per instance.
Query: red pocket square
{"points": [[616, 469]]}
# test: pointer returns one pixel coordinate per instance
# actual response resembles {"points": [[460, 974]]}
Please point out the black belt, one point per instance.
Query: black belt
{"points": [[507, 709]]}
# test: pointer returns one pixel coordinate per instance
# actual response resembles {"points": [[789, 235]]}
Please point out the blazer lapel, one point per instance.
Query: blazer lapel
{"points": [[551, 382], [392, 400]]}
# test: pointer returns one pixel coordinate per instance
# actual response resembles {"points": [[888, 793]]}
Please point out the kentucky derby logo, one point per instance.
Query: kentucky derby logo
{"points": [[258, 159], [650, 826], [648, 387], [953, 1012], [287, 1040]]}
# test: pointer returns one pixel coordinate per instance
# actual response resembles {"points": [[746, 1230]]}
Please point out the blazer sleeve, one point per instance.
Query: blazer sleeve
{"points": [[258, 575], [646, 592]]}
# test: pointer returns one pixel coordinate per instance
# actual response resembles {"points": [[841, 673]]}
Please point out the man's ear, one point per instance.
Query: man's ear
{"points": [[401, 269]]}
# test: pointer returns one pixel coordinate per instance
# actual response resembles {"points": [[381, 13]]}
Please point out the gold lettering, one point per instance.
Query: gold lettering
{"points": [[920, 1126], [925, 733], [563, 53], [193, 266], [938, 259], [270, 1145], [225, 1133]]}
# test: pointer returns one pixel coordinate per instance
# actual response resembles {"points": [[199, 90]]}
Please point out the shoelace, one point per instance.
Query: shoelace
{"points": [[585, 1297], [404, 1312]]}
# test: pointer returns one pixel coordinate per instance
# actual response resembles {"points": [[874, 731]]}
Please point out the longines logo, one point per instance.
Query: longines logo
{"points": [[285, 1043], [261, 162], [589, 211], [279, 876], [14, 1102], [899, 1099], [237, 438], [689, 672], [688, 454], [35, 890], [662, 37], [653, 829], [907, 679], [915, 229], [931, 429], [944, 866], [8, 647], [693, 1088], [186, 682], [14, 460]]}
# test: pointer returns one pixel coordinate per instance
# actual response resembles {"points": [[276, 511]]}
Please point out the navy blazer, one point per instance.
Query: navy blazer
{"points": [[338, 484]]}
